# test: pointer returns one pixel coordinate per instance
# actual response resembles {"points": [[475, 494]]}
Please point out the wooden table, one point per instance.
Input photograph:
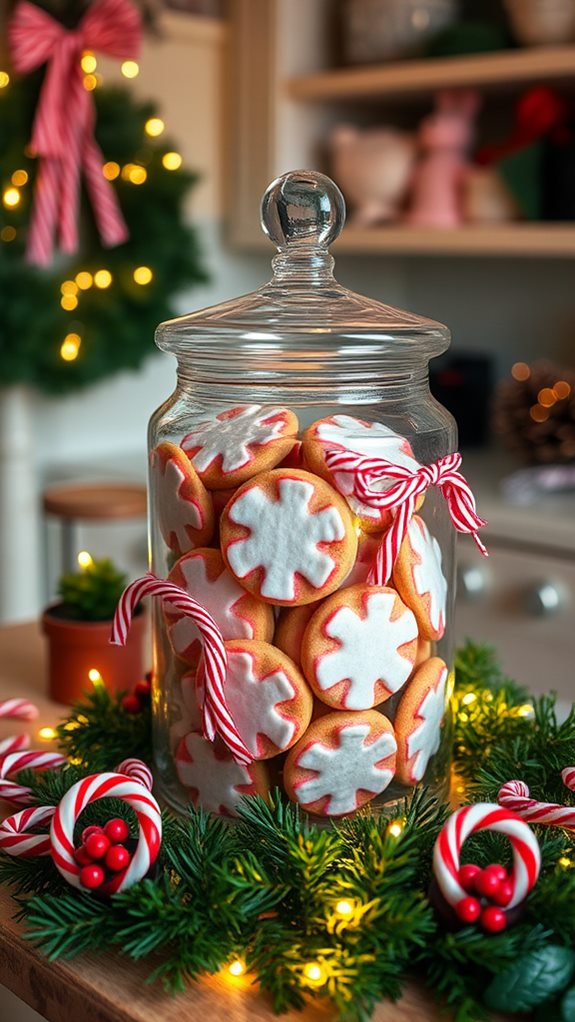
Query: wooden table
{"points": [[107, 987]]}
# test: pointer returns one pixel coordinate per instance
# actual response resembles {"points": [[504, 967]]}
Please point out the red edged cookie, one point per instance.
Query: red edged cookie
{"points": [[419, 579], [359, 647], [290, 627], [183, 505], [212, 778], [288, 537], [192, 700], [203, 574], [367, 547], [343, 761], [372, 439], [235, 444], [267, 696], [418, 720]]}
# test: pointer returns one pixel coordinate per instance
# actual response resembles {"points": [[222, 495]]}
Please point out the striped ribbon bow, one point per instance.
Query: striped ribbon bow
{"points": [[63, 130], [401, 497]]}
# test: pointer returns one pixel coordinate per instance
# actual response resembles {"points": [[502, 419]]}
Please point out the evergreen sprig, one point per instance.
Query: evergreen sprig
{"points": [[99, 733]]}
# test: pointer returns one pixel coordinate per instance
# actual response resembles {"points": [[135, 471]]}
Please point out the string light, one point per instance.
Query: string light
{"points": [[47, 734], [520, 371], [84, 280], [4, 79], [143, 275], [111, 170], [85, 560], [154, 126], [19, 177], [95, 677], [102, 278], [90, 82], [395, 828], [344, 909], [525, 710], [88, 63], [8, 233], [11, 197], [562, 389], [314, 973], [538, 413], [69, 287], [236, 968], [135, 174], [172, 161], [72, 725], [546, 397], [69, 348], [565, 862], [469, 698], [69, 302], [130, 69]]}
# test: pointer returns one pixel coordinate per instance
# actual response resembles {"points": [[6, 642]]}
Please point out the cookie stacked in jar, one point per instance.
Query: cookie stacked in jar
{"points": [[337, 684]]}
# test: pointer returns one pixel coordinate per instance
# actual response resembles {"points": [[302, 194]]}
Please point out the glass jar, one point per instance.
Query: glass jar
{"points": [[339, 688]]}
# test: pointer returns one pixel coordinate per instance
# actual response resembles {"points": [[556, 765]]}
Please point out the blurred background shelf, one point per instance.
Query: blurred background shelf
{"points": [[513, 239]]}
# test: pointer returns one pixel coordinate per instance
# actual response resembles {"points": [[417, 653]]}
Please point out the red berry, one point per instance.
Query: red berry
{"points": [[467, 876], [142, 690], [97, 845], [499, 871], [91, 830], [81, 856], [91, 876], [504, 893], [487, 883], [117, 858], [493, 919], [468, 910], [116, 830], [131, 704]]}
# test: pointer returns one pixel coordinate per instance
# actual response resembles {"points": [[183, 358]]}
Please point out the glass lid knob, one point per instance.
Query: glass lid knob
{"points": [[302, 210]]}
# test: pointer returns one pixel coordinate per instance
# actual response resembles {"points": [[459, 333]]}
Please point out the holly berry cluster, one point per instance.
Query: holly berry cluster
{"points": [[102, 853], [490, 890], [137, 700]]}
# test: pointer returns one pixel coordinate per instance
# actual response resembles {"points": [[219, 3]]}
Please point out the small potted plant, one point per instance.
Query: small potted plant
{"points": [[78, 629]]}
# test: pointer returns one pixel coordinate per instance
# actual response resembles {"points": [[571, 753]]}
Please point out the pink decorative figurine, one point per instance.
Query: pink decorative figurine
{"points": [[445, 138]]}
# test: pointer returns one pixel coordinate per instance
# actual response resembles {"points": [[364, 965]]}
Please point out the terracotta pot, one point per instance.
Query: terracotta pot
{"points": [[75, 647]]}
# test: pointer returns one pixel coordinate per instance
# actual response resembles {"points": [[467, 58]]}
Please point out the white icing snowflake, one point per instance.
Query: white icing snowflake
{"points": [[233, 436], [219, 597], [344, 771], [284, 538], [216, 780], [427, 574], [253, 703], [423, 743], [175, 512], [369, 650]]}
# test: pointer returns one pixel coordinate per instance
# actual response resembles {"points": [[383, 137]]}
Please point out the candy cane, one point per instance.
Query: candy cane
{"points": [[16, 743], [485, 816], [217, 716], [89, 790], [15, 839], [515, 795], [16, 761], [18, 709], [138, 771]]}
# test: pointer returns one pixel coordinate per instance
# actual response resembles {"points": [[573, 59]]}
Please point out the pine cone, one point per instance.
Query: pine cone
{"points": [[534, 413]]}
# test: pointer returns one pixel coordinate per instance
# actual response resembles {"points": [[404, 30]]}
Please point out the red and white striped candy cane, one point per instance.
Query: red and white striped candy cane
{"points": [[515, 796], [485, 816], [89, 790], [137, 770], [18, 709], [216, 715], [15, 743], [15, 838], [16, 761], [401, 497]]}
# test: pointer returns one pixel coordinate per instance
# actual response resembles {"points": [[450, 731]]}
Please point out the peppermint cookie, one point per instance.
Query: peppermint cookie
{"points": [[419, 579], [235, 444], [267, 696], [373, 439], [183, 505], [211, 776], [359, 647], [418, 720], [203, 574], [288, 537], [290, 627], [343, 761]]}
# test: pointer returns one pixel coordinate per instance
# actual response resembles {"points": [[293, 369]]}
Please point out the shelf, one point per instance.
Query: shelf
{"points": [[502, 69], [516, 239]]}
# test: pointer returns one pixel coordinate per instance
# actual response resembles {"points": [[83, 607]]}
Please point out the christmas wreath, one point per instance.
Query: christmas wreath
{"points": [[342, 912]]}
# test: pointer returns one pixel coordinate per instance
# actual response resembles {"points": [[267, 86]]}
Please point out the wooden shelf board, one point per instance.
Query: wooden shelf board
{"points": [[517, 239], [407, 78]]}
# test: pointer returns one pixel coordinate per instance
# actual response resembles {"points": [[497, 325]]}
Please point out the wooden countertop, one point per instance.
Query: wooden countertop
{"points": [[107, 987]]}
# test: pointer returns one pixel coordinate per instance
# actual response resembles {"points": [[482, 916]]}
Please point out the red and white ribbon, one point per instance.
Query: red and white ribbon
{"points": [[15, 743], [216, 715], [89, 790], [18, 709], [15, 838], [515, 795], [485, 816], [63, 130], [401, 497], [137, 770], [16, 761]]}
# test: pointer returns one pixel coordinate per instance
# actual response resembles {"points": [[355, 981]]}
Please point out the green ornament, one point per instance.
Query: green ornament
{"points": [[531, 980], [567, 1006]]}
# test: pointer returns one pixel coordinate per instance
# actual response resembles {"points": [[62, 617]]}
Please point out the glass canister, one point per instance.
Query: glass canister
{"points": [[337, 676]]}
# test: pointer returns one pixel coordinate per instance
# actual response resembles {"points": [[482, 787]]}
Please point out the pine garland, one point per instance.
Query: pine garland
{"points": [[341, 911]]}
